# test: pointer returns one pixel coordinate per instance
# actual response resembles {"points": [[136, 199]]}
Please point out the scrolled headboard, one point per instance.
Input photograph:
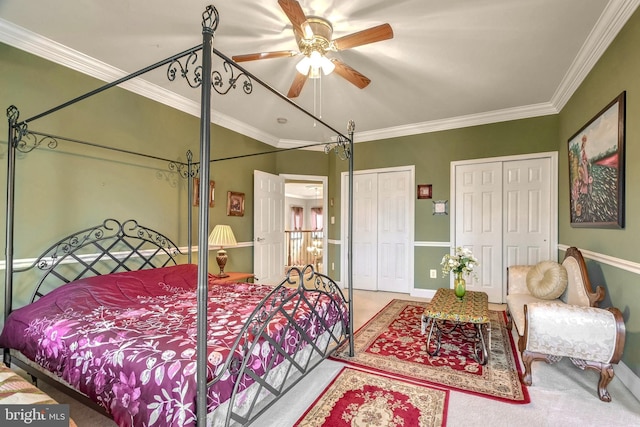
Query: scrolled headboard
{"points": [[110, 247]]}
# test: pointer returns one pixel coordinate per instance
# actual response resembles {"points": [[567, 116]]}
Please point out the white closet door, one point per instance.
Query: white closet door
{"points": [[527, 201], [394, 193], [505, 212], [478, 223], [365, 234]]}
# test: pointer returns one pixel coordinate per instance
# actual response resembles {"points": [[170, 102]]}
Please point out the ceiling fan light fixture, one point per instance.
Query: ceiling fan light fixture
{"points": [[314, 36], [304, 65], [327, 66], [316, 59], [312, 64]]}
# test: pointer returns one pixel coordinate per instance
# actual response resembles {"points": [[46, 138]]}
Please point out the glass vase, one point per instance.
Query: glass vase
{"points": [[459, 285]]}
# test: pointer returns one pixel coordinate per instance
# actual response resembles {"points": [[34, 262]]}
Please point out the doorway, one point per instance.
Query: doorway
{"points": [[306, 219]]}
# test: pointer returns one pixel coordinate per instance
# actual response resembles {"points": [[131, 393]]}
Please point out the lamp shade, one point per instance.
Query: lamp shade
{"points": [[222, 236]]}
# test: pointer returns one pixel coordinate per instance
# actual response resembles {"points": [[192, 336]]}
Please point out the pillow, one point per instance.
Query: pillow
{"points": [[547, 280]]}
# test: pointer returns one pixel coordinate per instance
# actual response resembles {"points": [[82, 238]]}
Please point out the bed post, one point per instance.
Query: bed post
{"points": [[351, 129], [209, 25], [12, 140], [190, 175]]}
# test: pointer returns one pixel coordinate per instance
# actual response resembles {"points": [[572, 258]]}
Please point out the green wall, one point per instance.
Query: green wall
{"points": [[617, 70]]}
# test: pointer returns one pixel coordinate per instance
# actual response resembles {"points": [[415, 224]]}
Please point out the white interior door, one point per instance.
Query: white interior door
{"points": [[365, 231], [268, 227], [478, 223], [394, 192]]}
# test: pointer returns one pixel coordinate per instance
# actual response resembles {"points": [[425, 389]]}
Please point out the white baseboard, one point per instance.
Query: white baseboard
{"points": [[628, 378], [422, 293]]}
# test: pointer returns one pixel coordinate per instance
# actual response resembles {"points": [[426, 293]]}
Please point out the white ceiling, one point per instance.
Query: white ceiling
{"points": [[451, 63], [304, 190]]}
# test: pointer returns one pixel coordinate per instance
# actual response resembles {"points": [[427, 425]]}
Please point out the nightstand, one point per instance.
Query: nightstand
{"points": [[237, 277]]}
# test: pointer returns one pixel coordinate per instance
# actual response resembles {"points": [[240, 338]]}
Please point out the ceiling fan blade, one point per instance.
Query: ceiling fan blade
{"points": [[297, 85], [296, 15], [264, 55], [371, 35], [350, 74]]}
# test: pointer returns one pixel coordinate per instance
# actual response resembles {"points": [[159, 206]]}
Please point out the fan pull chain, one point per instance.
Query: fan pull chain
{"points": [[320, 97], [315, 100]]}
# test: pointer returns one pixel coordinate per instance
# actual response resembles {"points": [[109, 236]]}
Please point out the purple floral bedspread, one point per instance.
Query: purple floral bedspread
{"points": [[128, 340]]}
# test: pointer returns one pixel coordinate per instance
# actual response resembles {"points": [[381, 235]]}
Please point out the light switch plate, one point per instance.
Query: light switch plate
{"points": [[433, 273]]}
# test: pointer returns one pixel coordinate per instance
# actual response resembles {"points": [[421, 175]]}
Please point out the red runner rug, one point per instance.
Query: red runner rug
{"points": [[359, 398], [392, 343]]}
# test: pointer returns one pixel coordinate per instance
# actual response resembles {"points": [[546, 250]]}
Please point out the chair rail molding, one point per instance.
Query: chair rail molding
{"points": [[622, 264]]}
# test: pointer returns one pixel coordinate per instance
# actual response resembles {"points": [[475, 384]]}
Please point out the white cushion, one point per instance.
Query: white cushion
{"points": [[516, 303], [547, 280]]}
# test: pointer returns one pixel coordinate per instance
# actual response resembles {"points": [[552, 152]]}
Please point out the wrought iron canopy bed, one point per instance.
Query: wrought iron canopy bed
{"points": [[284, 318]]}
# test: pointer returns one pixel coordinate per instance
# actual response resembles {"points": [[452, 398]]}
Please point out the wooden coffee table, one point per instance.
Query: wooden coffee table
{"points": [[446, 312]]}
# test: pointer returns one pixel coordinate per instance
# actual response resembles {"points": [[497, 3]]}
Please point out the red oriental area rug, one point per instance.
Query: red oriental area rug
{"points": [[392, 343], [359, 398]]}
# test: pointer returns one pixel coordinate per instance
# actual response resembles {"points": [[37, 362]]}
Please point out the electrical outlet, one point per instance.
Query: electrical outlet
{"points": [[433, 274]]}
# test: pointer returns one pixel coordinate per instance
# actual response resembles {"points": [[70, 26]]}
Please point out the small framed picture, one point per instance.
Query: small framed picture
{"points": [[424, 191], [440, 207], [235, 203], [196, 192]]}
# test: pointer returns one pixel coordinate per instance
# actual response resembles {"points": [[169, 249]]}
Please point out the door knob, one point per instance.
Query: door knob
{"points": [[260, 239]]}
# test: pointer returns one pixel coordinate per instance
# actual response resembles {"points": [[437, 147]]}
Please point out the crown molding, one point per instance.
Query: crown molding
{"points": [[613, 18], [459, 122]]}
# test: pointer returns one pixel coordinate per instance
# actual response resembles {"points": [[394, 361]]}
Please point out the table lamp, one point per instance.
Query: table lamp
{"points": [[222, 236]]}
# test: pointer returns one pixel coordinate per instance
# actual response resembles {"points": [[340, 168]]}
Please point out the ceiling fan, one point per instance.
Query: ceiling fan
{"points": [[314, 38]]}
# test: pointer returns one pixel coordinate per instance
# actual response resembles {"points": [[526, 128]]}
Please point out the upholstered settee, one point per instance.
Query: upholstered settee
{"points": [[554, 310]]}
